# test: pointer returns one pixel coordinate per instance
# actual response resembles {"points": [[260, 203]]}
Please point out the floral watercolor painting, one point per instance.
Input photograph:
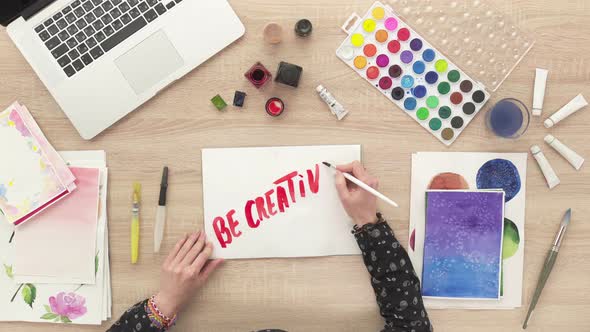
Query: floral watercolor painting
{"points": [[65, 307]]}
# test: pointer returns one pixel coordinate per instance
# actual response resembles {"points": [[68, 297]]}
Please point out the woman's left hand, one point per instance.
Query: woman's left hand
{"points": [[185, 270]]}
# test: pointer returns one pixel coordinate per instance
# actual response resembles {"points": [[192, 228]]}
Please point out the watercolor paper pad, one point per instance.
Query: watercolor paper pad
{"points": [[463, 171], [32, 176], [98, 297], [314, 225], [68, 229], [463, 244]]}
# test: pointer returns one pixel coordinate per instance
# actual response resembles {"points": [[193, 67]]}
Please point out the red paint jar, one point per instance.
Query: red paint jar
{"points": [[274, 106]]}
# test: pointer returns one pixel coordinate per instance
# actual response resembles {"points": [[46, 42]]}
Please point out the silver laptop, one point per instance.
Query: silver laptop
{"points": [[101, 59]]}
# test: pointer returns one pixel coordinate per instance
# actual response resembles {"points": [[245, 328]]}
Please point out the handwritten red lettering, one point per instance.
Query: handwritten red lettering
{"points": [[261, 209], [289, 178], [282, 199], [248, 212], [226, 229], [269, 204], [222, 233], [314, 182], [301, 187], [233, 224]]}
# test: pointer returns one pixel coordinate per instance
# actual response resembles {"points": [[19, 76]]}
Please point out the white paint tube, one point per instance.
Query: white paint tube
{"points": [[335, 107], [539, 90], [570, 155], [570, 108], [548, 172]]}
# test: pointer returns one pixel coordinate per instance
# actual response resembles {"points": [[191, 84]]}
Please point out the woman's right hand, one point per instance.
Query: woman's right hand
{"points": [[359, 204]]}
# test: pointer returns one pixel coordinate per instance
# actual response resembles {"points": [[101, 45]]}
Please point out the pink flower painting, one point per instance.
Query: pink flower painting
{"points": [[65, 307]]}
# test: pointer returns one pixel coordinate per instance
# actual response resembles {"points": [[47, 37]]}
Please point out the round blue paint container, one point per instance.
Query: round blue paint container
{"points": [[509, 118]]}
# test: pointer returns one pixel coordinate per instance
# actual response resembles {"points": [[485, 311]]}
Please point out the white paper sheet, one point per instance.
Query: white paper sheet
{"points": [[314, 225], [425, 166], [39, 309]]}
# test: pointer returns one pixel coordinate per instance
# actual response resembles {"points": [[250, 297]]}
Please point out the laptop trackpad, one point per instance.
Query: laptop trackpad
{"points": [[150, 62]]}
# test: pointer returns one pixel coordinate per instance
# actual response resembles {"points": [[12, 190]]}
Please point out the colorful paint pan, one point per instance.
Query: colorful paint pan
{"points": [[444, 112], [395, 71], [422, 113], [369, 25], [403, 34], [416, 44], [431, 77], [385, 83], [441, 65], [370, 50], [418, 67], [478, 96], [382, 60], [456, 98], [378, 13], [466, 86], [435, 124], [360, 62], [406, 57], [407, 81], [432, 101], [381, 36], [391, 23], [428, 55], [454, 76], [443, 88], [412, 73], [357, 40], [394, 46], [419, 91], [372, 72]]}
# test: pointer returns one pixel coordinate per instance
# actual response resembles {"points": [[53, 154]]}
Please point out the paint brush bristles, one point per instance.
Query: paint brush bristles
{"points": [[566, 221], [364, 186]]}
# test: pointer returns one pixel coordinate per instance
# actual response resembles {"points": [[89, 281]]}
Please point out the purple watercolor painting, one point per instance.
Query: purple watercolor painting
{"points": [[463, 244]]}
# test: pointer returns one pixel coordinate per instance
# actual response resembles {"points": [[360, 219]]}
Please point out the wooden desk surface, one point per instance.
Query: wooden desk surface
{"points": [[332, 293]]}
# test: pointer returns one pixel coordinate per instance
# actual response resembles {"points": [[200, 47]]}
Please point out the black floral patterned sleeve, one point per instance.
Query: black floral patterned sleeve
{"points": [[396, 286], [135, 319]]}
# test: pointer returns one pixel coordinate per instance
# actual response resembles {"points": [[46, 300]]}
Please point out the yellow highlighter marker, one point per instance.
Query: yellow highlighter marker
{"points": [[135, 222]]}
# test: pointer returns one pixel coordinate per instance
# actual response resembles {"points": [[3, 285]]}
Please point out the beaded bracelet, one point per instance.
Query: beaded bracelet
{"points": [[158, 319], [356, 229]]}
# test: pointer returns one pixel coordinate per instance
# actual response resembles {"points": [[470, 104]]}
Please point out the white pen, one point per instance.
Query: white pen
{"points": [[364, 186]]}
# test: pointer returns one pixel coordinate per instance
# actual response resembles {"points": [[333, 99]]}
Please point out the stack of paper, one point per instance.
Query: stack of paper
{"points": [[32, 175], [464, 172], [56, 266]]}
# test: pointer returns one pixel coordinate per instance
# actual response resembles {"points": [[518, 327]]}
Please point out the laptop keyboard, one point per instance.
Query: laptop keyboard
{"points": [[85, 30]]}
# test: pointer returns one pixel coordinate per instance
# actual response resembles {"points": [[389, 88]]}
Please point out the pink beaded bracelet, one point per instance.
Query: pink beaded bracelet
{"points": [[158, 319]]}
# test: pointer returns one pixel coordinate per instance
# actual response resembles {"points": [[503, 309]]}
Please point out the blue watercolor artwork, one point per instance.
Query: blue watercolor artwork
{"points": [[499, 174], [463, 244]]}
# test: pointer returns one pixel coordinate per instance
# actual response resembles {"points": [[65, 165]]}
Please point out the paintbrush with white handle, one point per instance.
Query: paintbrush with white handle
{"points": [[364, 186]]}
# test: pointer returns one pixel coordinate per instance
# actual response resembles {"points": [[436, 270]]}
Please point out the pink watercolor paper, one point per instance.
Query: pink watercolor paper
{"points": [[61, 241]]}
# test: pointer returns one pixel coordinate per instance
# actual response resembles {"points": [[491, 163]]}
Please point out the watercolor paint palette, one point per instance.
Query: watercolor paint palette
{"points": [[412, 73]]}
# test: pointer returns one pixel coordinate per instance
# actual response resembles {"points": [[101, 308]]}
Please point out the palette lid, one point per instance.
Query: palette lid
{"points": [[484, 42]]}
